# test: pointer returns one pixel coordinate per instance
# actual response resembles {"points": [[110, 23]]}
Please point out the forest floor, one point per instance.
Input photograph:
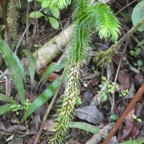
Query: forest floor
{"points": [[125, 72]]}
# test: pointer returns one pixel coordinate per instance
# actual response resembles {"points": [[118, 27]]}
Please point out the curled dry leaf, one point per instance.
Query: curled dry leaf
{"points": [[49, 125], [123, 79], [87, 98], [139, 78], [37, 121], [52, 77], [131, 130], [131, 92], [90, 114], [16, 128], [73, 142]]}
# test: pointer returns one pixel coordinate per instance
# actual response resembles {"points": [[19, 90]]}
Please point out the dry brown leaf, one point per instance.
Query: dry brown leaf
{"points": [[49, 125], [123, 79], [52, 77], [90, 114]]}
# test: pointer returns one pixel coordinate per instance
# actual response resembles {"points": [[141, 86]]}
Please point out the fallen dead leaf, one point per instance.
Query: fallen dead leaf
{"points": [[73, 142], [131, 92], [49, 125], [139, 78], [52, 77], [90, 114], [87, 98], [131, 130], [123, 79]]}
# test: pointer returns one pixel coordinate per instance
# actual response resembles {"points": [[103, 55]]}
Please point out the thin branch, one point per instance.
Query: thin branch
{"points": [[48, 110], [120, 62], [129, 33], [102, 56], [125, 7]]}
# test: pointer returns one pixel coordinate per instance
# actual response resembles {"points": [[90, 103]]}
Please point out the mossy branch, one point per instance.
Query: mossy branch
{"points": [[102, 58], [13, 17]]}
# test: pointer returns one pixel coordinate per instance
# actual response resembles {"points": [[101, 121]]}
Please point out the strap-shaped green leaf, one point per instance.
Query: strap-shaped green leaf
{"points": [[85, 126], [7, 99], [21, 68], [42, 98], [51, 69], [14, 66], [135, 141], [5, 108], [31, 64]]}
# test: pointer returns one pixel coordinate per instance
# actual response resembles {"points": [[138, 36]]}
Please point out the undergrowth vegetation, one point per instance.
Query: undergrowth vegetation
{"points": [[87, 18]]}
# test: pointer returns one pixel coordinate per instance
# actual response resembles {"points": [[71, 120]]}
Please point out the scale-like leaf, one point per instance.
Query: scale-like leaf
{"points": [[42, 98], [13, 67], [51, 69], [31, 64], [5, 108], [7, 99]]}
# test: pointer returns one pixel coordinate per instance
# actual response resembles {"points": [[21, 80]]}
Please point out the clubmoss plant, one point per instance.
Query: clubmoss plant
{"points": [[86, 18]]}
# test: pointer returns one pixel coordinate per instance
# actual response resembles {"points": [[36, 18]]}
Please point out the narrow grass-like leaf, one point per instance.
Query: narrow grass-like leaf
{"points": [[84, 126], [7, 99], [31, 64], [5, 108], [42, 98], [135, 141], [13, 67], [50, 70], [21, 68]]}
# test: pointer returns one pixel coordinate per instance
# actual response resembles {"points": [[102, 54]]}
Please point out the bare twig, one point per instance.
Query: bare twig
{"points": [[125, 7], [48, 110], [120, 62], [21, 38]]}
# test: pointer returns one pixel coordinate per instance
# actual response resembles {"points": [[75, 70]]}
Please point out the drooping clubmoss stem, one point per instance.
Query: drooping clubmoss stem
{"points": [[86, 18], [67, 107]]}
